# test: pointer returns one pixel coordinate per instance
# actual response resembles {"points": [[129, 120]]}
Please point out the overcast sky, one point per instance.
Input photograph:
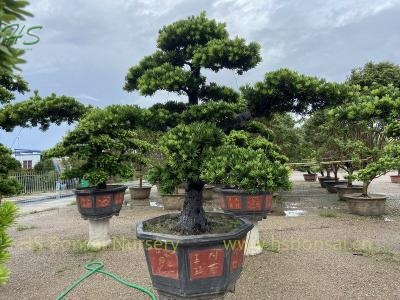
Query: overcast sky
{"points": [[87, 46]]}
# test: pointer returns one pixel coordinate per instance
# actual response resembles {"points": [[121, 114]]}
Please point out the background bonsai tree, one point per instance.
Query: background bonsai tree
{"points": [[376, 74], [8, 186], [101, 154], [32, 112]]}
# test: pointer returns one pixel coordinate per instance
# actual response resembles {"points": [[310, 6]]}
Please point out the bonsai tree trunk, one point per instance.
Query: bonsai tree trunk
{"points": [[350, 179], [398, 172], [101, 186], [140, 177], [335, 168], [365, 188], [192, 219], [328, 172]]}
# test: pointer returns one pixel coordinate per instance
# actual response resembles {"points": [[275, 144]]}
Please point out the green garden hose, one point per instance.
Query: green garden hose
{"points": [[97, 267]]}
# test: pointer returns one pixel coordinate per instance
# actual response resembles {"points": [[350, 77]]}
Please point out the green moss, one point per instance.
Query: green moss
{"points": [[328, 214], [166, 224]]}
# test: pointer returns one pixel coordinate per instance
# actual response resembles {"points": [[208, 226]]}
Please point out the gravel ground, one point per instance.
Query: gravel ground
{"points": [[305, 257]]}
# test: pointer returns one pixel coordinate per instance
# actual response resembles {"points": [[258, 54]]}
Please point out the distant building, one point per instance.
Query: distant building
{"points": [[27, 157]]}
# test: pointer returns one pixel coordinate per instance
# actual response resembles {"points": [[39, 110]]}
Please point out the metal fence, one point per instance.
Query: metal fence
{"points": [[39, 182]]}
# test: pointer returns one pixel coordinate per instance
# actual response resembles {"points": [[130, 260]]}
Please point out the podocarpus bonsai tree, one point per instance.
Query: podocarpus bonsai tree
{"points": [[246, 163], [185, 48], [201, 152], [101, 154], [186, 148]]}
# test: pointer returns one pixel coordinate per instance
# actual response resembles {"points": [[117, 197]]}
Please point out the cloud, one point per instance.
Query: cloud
{"points": [[87, 97]]}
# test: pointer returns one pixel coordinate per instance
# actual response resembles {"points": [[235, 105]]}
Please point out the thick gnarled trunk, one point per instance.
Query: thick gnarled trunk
{"points": [[192, 219], [365, 188]]}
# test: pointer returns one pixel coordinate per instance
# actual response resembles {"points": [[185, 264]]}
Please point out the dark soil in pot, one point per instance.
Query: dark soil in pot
{"points": [[220, 223]]}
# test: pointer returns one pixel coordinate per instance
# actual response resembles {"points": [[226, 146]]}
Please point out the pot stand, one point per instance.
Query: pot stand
{"points": [[253, 245], [99, 236]]}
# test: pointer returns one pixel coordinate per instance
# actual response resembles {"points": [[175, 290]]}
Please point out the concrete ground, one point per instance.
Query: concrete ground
{"points": [[322, 252]]}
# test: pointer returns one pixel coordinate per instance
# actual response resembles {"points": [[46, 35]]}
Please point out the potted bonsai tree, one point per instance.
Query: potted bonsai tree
{"points": [[170, 195], [101, 154], [143, 159], [8, 185], [195, 259], [311, 174], [253, 169], [355, 154], [367, 204]]}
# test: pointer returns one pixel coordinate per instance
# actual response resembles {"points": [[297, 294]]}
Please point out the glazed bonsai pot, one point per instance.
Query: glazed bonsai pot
{"points": [[204, 266], [100, 203], [173, 201], [322, 180], [139, 193], [330, 185], [208, 193], [344, 189], [372, 205], [180, 189], [243, 204], [310, 177], [395, 178]]}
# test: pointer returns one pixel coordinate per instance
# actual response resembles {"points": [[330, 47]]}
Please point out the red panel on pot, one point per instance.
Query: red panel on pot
{"points": [[119, 198], [237, 255], [234, 202], [85, 201], [164, 263], [268, 200], [103, 201], [254, 202], [206, 263]]}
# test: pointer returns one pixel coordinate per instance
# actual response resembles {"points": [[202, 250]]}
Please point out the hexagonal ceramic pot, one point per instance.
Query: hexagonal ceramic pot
{"points": [[243, 204], [100, 203], [204, 266]]}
